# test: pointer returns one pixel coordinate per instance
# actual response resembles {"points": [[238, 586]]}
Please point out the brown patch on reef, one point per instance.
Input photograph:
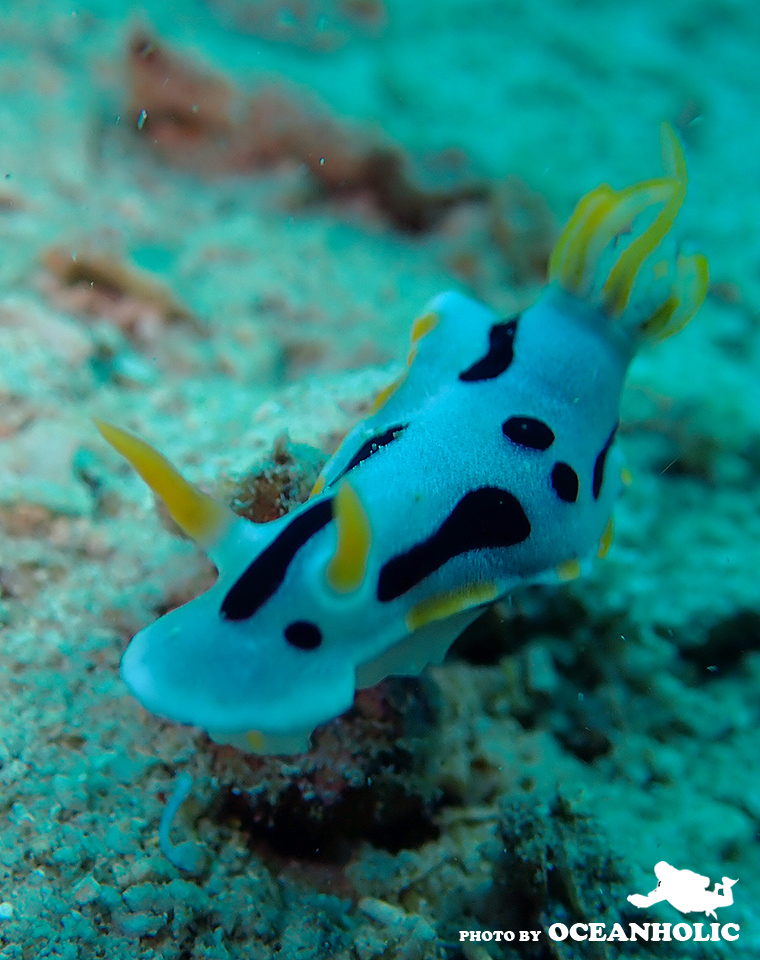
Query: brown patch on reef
{"points": [[11, 202], [197, 120], [319, 26], [101, 285], [15, 414], [180, 107], [361, 780], [274, 489], [23, 519]]}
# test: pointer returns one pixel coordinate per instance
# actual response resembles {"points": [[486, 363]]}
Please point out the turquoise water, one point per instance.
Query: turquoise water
{"points": [[219, 220]]}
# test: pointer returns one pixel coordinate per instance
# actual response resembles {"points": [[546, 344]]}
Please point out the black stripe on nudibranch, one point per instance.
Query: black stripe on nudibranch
{"points": [[501, 338], [488, 517], [303, 634], [260, 580], [565, 482], [528, 432], [371, 446], [598, 480]]}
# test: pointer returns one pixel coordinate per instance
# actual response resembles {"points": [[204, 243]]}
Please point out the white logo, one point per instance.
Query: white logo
{"points": [[683, 889], [686, 891]]}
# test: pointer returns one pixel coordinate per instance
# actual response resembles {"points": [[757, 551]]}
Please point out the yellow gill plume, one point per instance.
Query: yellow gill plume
{"points": [[602, 215], [687, 295]]}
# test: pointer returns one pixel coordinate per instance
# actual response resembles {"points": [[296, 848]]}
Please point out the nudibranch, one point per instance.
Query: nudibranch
{"points": [[490, 462]]}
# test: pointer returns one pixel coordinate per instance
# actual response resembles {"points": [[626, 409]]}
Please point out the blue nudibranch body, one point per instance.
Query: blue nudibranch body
{"points": [[490, 462]]}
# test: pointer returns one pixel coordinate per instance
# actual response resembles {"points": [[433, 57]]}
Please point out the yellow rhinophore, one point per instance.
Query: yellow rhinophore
{"points": [[346, 569], [199, 515]]}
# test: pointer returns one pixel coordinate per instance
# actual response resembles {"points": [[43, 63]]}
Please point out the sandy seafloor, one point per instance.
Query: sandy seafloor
{"points": [[598, 726]]}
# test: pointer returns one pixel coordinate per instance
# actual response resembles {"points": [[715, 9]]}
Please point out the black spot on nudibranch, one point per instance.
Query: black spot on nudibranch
{"points": [[260, 580], [501, 338], [303, 635], [599, 465], [488, 517], [370, 447], [528, 432], [565, 482]]}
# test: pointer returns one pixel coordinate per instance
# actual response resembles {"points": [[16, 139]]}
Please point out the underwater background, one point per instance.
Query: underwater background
{"points": [[176, 258]]}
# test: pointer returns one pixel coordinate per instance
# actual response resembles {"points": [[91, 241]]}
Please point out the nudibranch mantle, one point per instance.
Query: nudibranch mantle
{"points": [[489, 463]]}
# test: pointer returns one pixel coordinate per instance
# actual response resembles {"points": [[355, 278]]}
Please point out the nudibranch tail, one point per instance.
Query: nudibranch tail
{"points": [[596, 224], [346, 569], [201, 517]]}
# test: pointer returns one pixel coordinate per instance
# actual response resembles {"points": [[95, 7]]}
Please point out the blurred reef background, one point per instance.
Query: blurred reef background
{"points": [[218, 219]]}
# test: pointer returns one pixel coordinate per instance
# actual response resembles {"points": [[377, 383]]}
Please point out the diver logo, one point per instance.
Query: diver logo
{"points": [[683, 889], [686, 891]]}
